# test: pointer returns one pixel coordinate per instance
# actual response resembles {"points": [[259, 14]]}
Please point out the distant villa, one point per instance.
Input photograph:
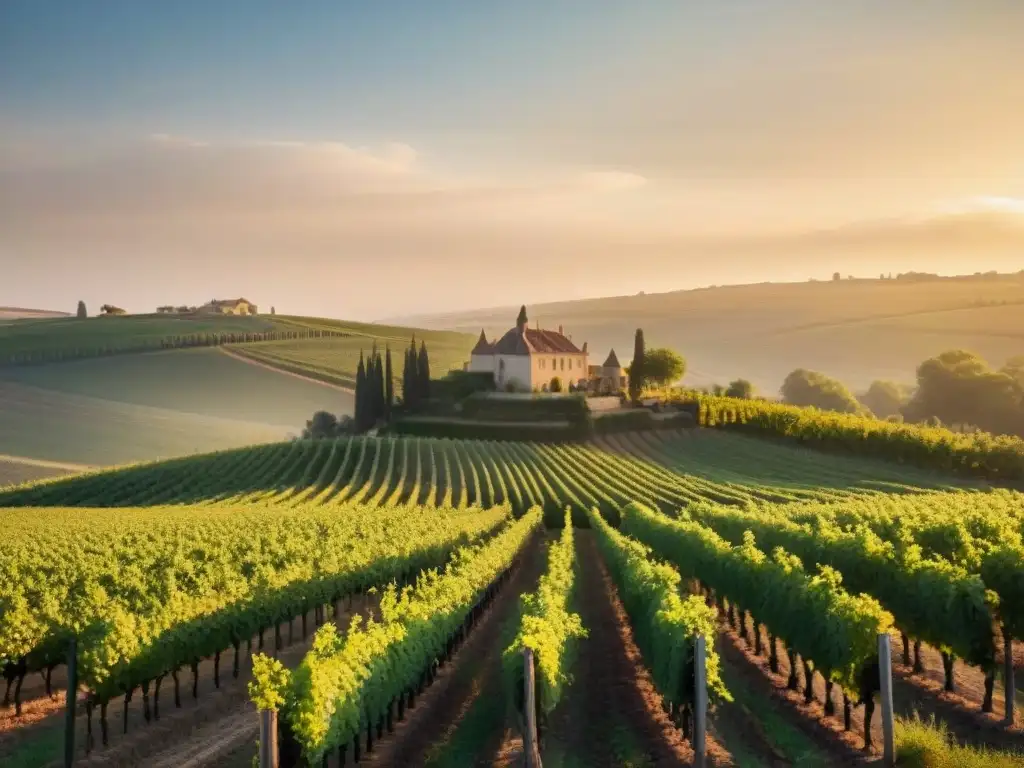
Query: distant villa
{"points": [[529, 359]]}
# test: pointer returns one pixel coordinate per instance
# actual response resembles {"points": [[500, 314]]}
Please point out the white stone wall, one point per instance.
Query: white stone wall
{"points": [[517, 369], [481, 364], [533, 371]]}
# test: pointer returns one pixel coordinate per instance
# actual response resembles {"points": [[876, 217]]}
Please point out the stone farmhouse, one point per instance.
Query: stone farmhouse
{"points": [[528, 359], [228, 307]]}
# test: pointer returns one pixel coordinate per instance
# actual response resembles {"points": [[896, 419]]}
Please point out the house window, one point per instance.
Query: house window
{"points": [[563, 363]]}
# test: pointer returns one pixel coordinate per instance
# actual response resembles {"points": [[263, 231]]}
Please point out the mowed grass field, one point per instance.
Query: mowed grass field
{"points": [[146, 406], [336, 359], [69, 333], [855, 330], [16, 471]]}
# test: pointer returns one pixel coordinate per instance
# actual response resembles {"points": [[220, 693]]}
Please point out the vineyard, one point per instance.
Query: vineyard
{"points": [[388, 600]]}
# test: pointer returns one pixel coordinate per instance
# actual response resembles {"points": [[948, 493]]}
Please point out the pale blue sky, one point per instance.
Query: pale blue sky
{"points": [[295, 152]]}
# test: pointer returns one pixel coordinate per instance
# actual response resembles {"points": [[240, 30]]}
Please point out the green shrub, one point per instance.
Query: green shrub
{"points": [[461, 429], [483, 407]]}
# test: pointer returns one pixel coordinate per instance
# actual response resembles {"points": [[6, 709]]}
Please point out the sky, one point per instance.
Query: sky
{"points": [[372, 159]]}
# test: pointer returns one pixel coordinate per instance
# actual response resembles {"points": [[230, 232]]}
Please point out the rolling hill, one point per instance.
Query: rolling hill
{"points": [[21, 313], [855, 330], [156, 405], [120, 403]]}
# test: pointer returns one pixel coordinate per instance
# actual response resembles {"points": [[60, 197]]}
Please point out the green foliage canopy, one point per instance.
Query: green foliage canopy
{"points": [[811, 388]]}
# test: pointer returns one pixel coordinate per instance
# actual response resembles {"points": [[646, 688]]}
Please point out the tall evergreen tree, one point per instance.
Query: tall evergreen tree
{"points": [[423, 371], [411, 379], [82, 312], [406, 380], [360, 415], [636, 370], [375, 396], [522, 320], [378, 389], [389, 384]]}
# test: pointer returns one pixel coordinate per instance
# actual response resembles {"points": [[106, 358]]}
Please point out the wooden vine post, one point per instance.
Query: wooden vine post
{"points": [[1009, 683], [531, 749], [700, 696], [268, 739], [885, 680], [69, 704]]}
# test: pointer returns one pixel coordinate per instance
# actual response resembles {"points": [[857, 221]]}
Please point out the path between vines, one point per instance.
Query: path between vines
{"points": [[473, 673], [611, 714]]}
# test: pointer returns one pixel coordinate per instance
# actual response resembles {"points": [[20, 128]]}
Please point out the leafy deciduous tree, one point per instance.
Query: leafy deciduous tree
{"points": [[811, 388], [740, 388], [662, 367]]}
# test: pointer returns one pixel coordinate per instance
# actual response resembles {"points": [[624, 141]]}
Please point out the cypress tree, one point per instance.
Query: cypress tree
{"points": [[82, 313], [378, 389], [636, 370], [389, 384], [360, 414], [410, 378], [371, 395], [423, 371], [406, 388]]}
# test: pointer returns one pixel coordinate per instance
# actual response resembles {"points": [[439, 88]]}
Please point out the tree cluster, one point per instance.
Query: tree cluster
{"points": [[960, 389], [416, 377], [327, 425], [375, 385], [956, 389], [375, 394]]}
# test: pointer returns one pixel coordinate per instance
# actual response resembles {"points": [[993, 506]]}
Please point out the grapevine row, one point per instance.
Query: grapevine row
{"points": [[664, 623], [547, 626], [834, 632], [148, 591], [931, 599], [350, 685]]}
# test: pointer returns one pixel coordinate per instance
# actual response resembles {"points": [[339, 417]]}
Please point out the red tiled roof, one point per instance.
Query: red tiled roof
{"points": [[533, 341]]}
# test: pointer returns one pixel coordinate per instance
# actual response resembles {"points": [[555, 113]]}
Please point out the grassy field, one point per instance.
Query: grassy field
{"points": [[137, 407], [14, 472], [336, 359], [112, 409], [855, 330], [70, 333]]}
